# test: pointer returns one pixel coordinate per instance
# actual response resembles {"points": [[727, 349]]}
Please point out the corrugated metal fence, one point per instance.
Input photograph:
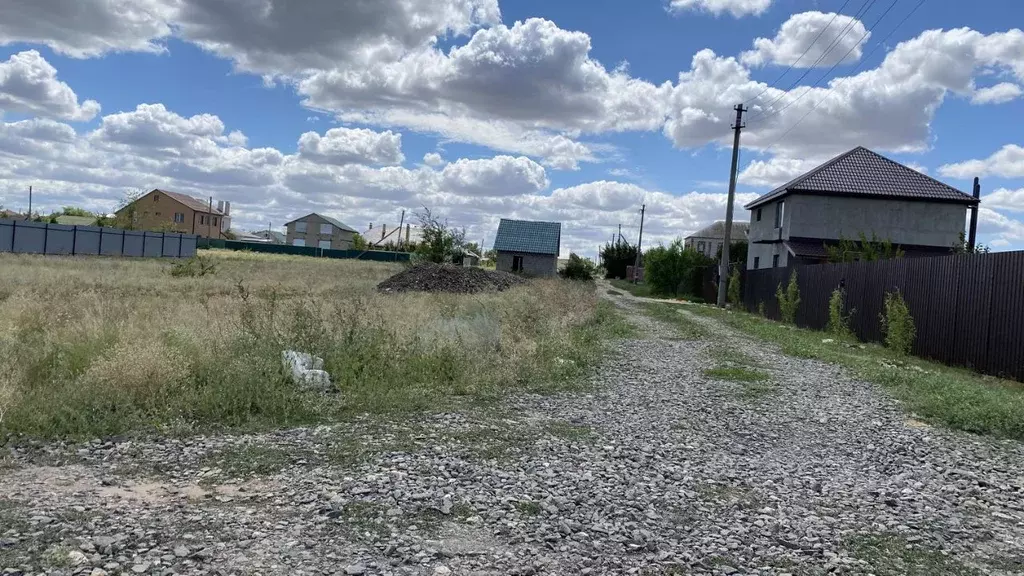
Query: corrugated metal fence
{"points": [[375, 255], [968, 309], [26, 237]]}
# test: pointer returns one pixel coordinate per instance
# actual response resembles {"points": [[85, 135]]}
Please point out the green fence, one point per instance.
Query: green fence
{"points": [[374, 255]]}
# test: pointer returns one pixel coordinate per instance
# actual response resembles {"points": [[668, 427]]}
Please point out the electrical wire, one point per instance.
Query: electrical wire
{"points": [[835, 42], [806, 50], [841, 81]]}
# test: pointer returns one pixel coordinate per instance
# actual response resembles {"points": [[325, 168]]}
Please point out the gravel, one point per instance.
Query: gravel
{"points": [[658, 470], [430, 277]]}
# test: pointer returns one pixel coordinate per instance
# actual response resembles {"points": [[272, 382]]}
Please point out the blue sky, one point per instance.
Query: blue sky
{"points": [[572, 111]]}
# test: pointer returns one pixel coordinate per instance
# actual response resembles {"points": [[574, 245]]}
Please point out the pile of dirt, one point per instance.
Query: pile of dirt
{"points": [[431, 277]]}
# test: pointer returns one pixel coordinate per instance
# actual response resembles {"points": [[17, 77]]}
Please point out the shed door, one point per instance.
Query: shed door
{"points": [[517, 263]]}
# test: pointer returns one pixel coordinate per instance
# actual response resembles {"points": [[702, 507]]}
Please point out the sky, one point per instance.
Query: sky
{"points": [[577, 111]]}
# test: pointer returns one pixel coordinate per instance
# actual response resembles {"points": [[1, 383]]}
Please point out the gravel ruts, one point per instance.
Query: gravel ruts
{"points": [[430, 277], [658, 471]]}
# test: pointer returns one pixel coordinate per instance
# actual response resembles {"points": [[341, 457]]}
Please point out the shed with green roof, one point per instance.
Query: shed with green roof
{"points": [[528, 247]]}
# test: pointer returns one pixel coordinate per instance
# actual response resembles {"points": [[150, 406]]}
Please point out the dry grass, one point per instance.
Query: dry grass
{"points": [[97, 346]]}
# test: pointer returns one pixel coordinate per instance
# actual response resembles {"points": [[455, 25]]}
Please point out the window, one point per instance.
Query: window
{"points": [[156, 197], [757, 262], [179, 217], [517, 263], [780, 213], [202, 219], [700, 247], [298, 242], [326, 229], [156, 213], [775, 261], [300, 227], [214, 220], [325, 244], [758, 214]]}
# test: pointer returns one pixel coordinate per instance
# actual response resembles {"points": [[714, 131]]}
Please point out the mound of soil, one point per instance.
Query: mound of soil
{"points": [[431, 277]]}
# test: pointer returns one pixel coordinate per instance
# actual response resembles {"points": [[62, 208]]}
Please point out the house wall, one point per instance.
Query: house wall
{"points": [[832, 217], [711, 245], [155, 211], [340, 239], [533, 264]]}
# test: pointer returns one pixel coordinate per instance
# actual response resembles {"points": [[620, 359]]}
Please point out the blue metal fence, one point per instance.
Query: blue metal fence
{"points": [[27, 237]]}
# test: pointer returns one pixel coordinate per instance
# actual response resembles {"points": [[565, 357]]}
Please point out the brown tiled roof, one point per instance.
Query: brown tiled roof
{"points": [[863, 173], [192, 202]]}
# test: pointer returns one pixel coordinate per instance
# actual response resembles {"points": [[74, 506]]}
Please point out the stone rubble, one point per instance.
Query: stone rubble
{"points": [[658, 470]]}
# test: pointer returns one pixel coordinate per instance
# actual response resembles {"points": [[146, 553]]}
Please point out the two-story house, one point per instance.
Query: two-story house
{"points": [[708, 240], [161, 210], [858, 192], [319, 231]]}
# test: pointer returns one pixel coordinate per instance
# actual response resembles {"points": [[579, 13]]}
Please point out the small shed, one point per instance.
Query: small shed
{"points": [[528, 247]]}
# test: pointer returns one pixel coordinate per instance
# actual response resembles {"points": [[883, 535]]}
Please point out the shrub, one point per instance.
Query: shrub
{"points": [[898, 324], [734, 287], [578, 268], [838, 324], [760, 309], [789, 301], [675, 270], [441, 243], [615, 257], [194, 267]]}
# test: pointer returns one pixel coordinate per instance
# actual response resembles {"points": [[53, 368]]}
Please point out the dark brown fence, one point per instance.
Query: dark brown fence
{"points": [[968, 309]]}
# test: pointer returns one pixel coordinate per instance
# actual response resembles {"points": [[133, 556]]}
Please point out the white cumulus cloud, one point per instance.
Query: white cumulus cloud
{"points": [[29, 84], [737, 8], [998, 94], [1007, 162], [811, 39]]}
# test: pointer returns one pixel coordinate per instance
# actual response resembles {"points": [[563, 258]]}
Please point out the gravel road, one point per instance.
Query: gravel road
{"points": [[658, 470]]}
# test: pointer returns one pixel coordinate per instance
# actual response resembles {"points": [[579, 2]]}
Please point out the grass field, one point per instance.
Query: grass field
{"points": [[940, 394], [98, 346]]}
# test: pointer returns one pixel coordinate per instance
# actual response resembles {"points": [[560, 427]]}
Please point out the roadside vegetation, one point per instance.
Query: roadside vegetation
{"points": [[95, 347], [954, 397]]}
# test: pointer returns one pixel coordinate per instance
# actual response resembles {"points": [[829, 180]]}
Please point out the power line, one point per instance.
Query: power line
{"points": [[806, 50], [835, 42], [848, 52], [843, 80]]}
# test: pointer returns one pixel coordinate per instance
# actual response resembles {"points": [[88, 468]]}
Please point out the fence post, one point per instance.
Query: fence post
{"points": [[14, 234], [122, 242], [74, 240], [100, 251], [46, 236], [180, 238]]}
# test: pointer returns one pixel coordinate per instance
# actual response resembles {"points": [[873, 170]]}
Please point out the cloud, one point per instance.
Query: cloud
{"points": [[811, 39], [153, 129], [498, 176], [87, 28], [998, 94], [1007, 162], [1005, 199], [28, 84], [775, 171], [343, 146], [433, 159], [738, 8]]}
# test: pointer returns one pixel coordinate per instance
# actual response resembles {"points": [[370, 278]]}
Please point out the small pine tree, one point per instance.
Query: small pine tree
{"points": [[898, 324], [838, 323], [760, 309], [734, 287], [789, 300]]}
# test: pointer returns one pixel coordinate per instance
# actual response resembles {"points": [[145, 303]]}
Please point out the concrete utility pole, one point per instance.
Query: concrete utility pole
{"points": [[29, 203], [209, 220], [723, 270], [401, 226], [972, 233], [639, 243]]}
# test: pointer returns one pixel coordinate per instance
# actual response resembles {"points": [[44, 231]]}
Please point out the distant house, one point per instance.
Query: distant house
{"points": [[708, 240], [270, 236], [528, 247], [384, 234], [319, 231], [174, 212], [858, 192]]}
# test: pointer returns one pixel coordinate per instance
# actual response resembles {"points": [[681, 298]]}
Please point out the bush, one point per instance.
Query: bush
{"points": [[616, 257], [760, 309], [838, 324], [789, 301], [675, 270], [898, 324], [440, 243], [578, 268], [734, 287], [194, 267]]}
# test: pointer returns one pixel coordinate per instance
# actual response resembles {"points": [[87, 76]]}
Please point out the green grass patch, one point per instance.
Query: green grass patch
{"points": [[685, 327], [528, 507], [250, 460], [736, 374], [642, 290], [939, 394], [890, 555]]}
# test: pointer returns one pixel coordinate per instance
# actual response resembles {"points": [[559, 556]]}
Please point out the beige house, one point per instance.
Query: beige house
{"points": [[319, 231], [160, 210], [708, 241]]}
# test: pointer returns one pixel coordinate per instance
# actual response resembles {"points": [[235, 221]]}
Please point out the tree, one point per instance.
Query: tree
{"points": [[75, 211], [866, 250], [578, 268], [734, 289], [358, 242], [961, 246], [441, 243], [675, 270], [615, 257], [737, 253], [126, 215], [789, 300]]}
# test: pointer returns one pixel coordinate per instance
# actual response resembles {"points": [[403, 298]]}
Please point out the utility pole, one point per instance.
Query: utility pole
{"points": [[619, 237], [401, 229], [639, 243], [209, 220], [29, 203], [723, 271]]}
